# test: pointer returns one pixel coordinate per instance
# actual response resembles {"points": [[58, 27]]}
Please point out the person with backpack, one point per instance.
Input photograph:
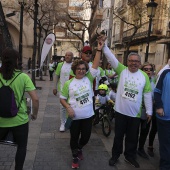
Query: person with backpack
{"points": [[13, 108]]}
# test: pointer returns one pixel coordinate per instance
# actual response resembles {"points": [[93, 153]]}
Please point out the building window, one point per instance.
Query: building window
{"points": [[108, 13], [101, 3], [76, 3], [58, 43]]}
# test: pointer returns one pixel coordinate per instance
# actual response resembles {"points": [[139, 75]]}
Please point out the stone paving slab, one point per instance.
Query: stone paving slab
{"points": [[59, 155]]}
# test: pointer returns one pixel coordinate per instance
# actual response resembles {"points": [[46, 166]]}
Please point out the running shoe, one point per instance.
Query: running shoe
{"points": [[75, 163]]}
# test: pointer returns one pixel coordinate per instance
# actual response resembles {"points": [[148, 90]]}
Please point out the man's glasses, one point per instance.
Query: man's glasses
{"points": [[81, 69], [134, 61], [147, 69], [88, 52]]}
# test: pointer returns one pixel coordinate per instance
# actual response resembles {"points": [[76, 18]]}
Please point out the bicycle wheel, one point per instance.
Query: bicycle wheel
{"points": [[111, 114], [95, 120], [106, 126]]}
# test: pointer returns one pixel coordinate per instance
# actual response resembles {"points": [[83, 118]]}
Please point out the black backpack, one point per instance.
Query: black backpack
{"points": [[8, 104]]}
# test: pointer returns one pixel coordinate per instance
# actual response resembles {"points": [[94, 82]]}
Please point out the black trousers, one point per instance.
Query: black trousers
{"points": [[153, 130], [20, 134], [144, 130], [80, 132], [51, 74], [128, 127]]}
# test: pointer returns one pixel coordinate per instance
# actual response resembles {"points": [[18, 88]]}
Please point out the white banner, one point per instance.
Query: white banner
{"points": [[48, 42]]}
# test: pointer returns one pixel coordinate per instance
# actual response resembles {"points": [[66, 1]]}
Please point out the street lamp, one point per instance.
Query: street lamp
{"points": [[55, 51], [151, 9], [35, 41], [22, 3]]}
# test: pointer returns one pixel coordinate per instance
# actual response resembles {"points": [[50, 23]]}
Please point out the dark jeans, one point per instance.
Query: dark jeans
{"points": [[144, 130], [20, 134], [51, 74], [80, 127], [128, 127], [153, 130], [164, 143]]}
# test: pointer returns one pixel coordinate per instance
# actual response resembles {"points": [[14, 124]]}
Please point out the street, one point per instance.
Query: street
{"points": [[48, 149]]}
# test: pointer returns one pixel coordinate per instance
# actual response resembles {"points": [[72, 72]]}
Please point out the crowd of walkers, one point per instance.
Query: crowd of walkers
{"points": [[139, 103], [140, 98]]}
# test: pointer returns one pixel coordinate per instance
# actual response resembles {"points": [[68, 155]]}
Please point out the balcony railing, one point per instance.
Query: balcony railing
{"points": [[71, 35], [143, 31]]}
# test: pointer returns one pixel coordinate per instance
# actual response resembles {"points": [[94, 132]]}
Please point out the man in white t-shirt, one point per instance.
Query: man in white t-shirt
{"points": [[63, 73], [132, 86]]}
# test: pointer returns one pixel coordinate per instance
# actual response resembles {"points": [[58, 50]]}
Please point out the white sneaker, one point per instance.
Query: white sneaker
{"points": [[62, 127]]}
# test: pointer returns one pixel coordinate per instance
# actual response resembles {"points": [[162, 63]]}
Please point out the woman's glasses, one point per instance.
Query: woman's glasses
{"points": [[79, 69], [147, 69]]}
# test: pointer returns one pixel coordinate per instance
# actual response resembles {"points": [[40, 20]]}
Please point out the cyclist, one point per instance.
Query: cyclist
{"points": [[101, 99]]}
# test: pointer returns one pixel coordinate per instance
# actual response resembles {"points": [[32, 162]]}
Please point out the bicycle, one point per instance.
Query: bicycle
{"points": [[104, 115]]}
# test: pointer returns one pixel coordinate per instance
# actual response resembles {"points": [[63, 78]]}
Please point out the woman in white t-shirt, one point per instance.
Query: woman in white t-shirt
{"points": [[76, 97]]}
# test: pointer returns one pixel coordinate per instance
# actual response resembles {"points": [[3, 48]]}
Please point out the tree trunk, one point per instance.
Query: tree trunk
{"points": [[4, 29]]}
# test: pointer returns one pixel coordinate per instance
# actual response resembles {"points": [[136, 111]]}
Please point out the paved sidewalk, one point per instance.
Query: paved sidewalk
{"points": [[48, 149]]}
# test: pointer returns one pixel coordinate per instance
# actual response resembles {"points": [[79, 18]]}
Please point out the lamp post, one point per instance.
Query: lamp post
{"points": [[22, 3], [151, 9], [35, 39]]}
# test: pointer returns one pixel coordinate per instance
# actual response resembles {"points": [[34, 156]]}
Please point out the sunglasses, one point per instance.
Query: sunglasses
{"points": [[148, 69], [88, 52]]}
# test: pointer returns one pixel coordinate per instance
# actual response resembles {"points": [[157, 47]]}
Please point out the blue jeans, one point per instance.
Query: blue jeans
{"points": [[164, 143]]}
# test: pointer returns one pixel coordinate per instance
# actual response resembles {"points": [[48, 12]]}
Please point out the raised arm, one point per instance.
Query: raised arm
{"points": [[98, 54], [108, 54]]}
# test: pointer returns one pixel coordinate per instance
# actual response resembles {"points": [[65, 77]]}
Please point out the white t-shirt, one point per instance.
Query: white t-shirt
{"points": [[102, 100], [63, 70], [130, 91], [112, 95], [131, 88], [65, 73], [79, 93], [51, 66]]}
